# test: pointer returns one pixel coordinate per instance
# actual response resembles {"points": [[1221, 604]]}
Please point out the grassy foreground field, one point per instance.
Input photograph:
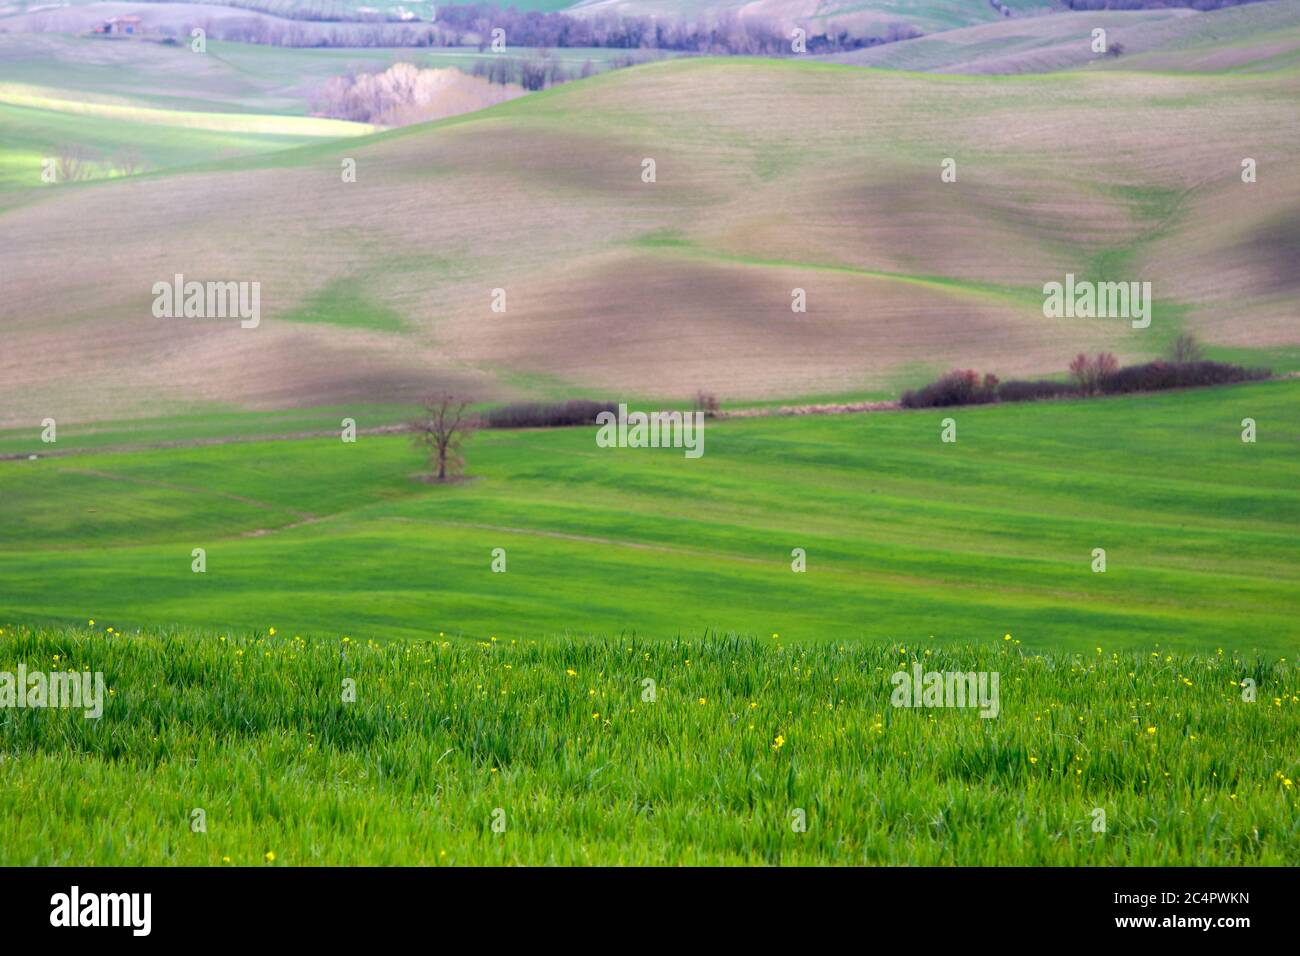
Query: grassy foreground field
{"points": [[562, 745]]}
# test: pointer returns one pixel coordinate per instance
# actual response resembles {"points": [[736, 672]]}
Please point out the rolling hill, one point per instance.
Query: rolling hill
{"points": [[345, 674], [1253, 37], [770, 176]]}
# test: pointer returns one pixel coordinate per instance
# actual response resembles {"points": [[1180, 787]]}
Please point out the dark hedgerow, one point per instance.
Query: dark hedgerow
{"points": [[1154, 376], [1018, 390], [546, 414], [1093, 377], [958, 387]]}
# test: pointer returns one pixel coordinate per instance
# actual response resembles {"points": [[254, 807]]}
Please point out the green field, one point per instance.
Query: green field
{"points": [[908, 539], [560, 744], [39, 126]]}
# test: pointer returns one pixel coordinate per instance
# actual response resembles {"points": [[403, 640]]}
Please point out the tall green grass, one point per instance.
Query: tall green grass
{"points": [[560, 741]]}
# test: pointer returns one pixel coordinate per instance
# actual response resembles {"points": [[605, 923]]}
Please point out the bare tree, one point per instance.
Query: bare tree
{"points": [[1089, 373], [442, 430], [1184, 349], [1105, 365], [127, 161], [707, 403], [72, 164]]}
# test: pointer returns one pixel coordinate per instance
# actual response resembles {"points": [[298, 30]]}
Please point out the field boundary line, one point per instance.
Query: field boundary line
{"points": [[753, 411]]}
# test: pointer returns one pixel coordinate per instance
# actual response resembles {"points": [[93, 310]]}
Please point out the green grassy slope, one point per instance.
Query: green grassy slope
{"points": [[907, 539], [34, 135], [176, 109], [229, 77], [167, 106]]}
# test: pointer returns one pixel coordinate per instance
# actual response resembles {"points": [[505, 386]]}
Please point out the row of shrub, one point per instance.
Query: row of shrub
{"points": [[1099, 376], [574, 412], [1154, 376], [958, 387], [546, 414]]}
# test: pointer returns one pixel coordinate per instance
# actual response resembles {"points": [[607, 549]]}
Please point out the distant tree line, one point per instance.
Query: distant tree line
{"points": [[472, 24], [539, 72], [1153, 4], [724, 34], [266, 31], [532, 73]]}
